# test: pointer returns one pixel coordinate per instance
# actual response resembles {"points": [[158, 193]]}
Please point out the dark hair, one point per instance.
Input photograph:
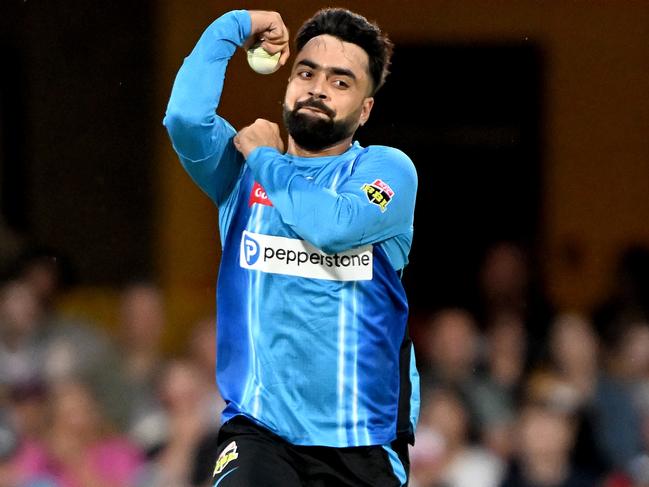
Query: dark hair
{"points": [[353, 28]]}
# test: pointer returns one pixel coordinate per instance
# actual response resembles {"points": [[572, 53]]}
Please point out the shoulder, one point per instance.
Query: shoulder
{"points": [[388, 158], [384, 151]]}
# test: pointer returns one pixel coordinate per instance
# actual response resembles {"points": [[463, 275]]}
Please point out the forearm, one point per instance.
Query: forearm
{"points": [[332, 221]]}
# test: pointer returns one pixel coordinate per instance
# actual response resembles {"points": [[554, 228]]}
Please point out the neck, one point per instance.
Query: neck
{"points": [[333, 150]]}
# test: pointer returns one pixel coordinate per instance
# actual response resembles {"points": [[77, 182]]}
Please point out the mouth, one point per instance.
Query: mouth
{"points": [[314, 110]]}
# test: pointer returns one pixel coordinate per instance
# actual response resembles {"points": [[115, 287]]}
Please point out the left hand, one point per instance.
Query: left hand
{"points": [[262, 133]]}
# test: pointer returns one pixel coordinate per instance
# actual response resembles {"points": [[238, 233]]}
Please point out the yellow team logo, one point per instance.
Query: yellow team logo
{"points": [[226, 456], [378, 193]]}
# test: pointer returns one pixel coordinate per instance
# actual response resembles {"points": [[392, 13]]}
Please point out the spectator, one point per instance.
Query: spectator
{"points": [[451, 352], [637, 472], [83, 446], [545, 440], [80, 448], [506, 352], [629, 301], [202, 352], [46, 272], [609, 425], [22, 357], [190, 412], [142, 320], [618, 426], [28, 410], [9, 441], [60, 348], [506, 346], [574, 354], [444, 457], [508, 287]]}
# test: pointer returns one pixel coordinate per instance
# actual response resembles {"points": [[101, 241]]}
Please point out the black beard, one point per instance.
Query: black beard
{"points": [[314, 132]]}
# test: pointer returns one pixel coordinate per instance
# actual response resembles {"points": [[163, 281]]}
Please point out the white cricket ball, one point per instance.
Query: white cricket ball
{"points": [[262, 62]]}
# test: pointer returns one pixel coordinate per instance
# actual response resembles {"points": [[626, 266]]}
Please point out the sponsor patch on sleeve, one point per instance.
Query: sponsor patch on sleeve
{"points": [[258, 195], [378, 193]]}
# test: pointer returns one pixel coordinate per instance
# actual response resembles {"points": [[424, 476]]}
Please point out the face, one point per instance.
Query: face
{"points": [[75, 409], [182, 386], [544, 433], [447, 415], [452, 342], [19, 308], [329, 93], [573, 344], [142, 316]]}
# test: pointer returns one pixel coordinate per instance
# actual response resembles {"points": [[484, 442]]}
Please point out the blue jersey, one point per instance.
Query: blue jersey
{"points": [[312, 338]]}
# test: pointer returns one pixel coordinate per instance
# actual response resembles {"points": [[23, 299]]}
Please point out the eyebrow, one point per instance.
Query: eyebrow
{"points": [[334, 70]]}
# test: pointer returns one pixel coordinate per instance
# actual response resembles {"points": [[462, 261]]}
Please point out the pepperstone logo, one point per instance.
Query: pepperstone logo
{"points": [[295, 257], [250, 249]]}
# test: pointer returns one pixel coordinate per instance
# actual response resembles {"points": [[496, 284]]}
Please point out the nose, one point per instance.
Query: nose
{"points": [[318, 94], [317, 88]]}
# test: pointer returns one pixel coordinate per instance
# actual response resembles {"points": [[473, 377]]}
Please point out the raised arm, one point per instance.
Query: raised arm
{"points": [[202, 139]]}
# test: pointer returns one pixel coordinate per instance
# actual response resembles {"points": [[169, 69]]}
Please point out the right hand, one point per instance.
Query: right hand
{"points": [[262, 133], [268, 29]]}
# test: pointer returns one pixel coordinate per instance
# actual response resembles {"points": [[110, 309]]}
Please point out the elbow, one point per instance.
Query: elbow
{"points": [[190, 136], [336, 232], [330, 244], [177, 120]]}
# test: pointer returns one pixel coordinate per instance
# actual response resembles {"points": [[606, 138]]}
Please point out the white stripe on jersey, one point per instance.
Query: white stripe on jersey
{"points": [[342, 437]]}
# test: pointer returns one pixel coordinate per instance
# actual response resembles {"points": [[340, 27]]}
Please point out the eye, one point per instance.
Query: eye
{"points": [[305, 74], [340, 84]]}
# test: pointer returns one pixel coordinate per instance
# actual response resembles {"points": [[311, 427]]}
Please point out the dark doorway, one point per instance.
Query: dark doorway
{"points": [[77, 131], [12, 123], [470, 119]]}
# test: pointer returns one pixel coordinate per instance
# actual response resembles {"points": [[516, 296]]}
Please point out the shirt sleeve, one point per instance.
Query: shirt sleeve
{"points": [[202, 139], [376, 202]]}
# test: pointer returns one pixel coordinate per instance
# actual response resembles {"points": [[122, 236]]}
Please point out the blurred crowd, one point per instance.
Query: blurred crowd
{"points": [[81, 408], [513, 393]]}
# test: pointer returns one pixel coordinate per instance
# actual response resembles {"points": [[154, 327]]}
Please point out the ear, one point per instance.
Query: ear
{"points": [[366, 108]]}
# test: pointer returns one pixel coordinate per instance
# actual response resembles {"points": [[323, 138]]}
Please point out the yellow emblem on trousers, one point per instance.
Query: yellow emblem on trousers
{"points": [[226, 456]]}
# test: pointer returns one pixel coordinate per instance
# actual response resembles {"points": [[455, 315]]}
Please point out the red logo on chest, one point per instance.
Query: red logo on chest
{"points": [[258, 195]]}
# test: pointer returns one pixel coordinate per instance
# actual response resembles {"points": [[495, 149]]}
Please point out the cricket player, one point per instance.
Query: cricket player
{"points": [[314, 359]]}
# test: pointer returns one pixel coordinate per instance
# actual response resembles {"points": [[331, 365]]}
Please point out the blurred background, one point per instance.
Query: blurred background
{"points": [[528, 123]]}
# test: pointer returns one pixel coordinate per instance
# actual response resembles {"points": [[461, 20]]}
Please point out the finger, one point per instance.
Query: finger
{"points": [[276, 30], [276, 34], [286, 52], [277, 37], [271, 41], [273, 47]]}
